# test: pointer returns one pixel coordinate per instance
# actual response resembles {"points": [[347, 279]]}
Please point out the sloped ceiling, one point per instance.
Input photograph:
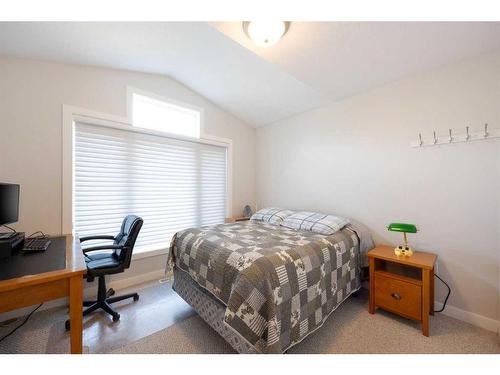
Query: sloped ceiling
{"points": [[340, 59], [313, 64]]}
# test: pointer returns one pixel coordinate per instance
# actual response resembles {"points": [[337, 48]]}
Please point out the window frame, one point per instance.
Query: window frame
{"points": [[72, 115], [130, 110]]}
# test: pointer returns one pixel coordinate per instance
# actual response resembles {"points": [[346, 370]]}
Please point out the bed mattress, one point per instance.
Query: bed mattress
{"points": [[276, 284], [210, 310]]}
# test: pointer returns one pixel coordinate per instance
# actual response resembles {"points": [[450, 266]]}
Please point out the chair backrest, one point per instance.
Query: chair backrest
{"points": [[129, 231]]}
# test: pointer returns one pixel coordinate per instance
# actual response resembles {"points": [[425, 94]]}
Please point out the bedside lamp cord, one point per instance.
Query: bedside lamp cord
{"points": [[446, 299]]}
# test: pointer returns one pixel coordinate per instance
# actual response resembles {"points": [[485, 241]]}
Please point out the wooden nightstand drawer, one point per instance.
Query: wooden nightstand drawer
{"points": [[398, 296]]}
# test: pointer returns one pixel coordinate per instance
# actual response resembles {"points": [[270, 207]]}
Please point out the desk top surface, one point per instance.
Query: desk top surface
{"points": [[63, 258]]}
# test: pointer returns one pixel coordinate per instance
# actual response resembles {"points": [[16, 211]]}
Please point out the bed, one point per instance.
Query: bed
{"points": [[265, 287]]}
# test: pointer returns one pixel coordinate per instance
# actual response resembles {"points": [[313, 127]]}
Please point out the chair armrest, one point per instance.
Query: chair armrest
{"points": [[88, 238], [103, 247]]}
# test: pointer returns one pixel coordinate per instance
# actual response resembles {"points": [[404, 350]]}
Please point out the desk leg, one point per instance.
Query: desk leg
{"points": [[431, 302], [426, 288], [76, 313], [371, 306]]}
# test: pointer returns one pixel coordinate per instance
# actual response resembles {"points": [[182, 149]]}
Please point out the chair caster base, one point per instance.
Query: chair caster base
{"points": [[105, 297]]}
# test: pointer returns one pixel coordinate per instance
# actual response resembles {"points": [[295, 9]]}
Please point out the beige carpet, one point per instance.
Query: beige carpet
{"points": [[349, 330], [161, 322], [159, 307]]}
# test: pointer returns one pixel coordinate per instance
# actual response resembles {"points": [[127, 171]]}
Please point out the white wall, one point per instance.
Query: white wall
{"points": [[353, 158], [31, 97]]}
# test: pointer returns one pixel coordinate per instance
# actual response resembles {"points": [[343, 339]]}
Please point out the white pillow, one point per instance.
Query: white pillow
{"points": [[315, 222], [271, 215]]}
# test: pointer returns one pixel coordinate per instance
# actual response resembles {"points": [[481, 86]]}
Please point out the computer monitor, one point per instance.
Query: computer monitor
{"points": [[9, 203]]}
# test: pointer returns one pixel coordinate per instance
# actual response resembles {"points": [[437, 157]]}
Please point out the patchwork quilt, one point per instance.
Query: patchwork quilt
{"points": [[279, 284]]}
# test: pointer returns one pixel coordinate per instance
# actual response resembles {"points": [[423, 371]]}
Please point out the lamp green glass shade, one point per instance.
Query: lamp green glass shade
{"points": [[402, 227]]}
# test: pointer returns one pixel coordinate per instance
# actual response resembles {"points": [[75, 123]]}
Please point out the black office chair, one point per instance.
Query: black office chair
{"points": [[115, 260]]}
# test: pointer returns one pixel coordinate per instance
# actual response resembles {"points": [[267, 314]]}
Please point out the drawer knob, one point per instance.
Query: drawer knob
{"points": [[396, 296]]}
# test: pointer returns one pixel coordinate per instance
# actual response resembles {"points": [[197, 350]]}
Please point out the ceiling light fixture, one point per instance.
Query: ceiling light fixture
{"points": [[265, 33]]}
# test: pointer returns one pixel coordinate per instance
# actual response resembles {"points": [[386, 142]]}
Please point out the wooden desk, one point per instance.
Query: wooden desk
{"points": [[33, 289]]}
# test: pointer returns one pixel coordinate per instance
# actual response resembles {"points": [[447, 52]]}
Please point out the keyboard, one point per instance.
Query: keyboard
{"points": [[36, 244]]}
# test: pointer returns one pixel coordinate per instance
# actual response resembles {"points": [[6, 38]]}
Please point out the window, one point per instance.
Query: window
{"points": [[160, 115], [172, 184]]}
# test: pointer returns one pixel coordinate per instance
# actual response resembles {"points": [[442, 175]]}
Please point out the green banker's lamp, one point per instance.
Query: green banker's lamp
{"points": [[405, 249]]}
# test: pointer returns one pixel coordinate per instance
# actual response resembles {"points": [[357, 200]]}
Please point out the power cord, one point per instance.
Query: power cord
{"points": [[12, 229], [23, 323], [42, 235], [32, 237], [446, 299]]}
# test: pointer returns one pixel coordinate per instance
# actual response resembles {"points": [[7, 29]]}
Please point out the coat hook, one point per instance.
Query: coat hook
{"points": [[486, 130], [420, 137], [451, 138], [467, 136], [435, 139]]}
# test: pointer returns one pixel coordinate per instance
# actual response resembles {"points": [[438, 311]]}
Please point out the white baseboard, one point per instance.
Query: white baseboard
{"points": [[470, 317], [136, 280]]}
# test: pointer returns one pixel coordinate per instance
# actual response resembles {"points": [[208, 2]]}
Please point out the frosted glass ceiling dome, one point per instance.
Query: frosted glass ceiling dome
{"points": [[265, 33]]}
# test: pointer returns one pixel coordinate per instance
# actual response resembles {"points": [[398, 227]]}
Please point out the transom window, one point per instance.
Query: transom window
{"points": [[149, 112]]}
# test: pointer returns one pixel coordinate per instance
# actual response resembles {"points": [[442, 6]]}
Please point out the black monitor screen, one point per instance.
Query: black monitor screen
{"points": [[9, 203]]}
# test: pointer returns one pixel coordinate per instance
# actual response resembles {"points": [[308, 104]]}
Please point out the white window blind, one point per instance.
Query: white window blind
{"points": [[172, 184]]}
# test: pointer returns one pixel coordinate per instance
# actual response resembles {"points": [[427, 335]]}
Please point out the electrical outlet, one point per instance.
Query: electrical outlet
{"points": [[436, 268]]}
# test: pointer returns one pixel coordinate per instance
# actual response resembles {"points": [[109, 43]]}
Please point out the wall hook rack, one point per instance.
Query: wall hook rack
{"points": [[468, 136]]}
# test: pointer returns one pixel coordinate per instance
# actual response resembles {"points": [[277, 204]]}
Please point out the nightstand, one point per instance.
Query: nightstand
{"points": [[402, 285], [235, 219]]}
